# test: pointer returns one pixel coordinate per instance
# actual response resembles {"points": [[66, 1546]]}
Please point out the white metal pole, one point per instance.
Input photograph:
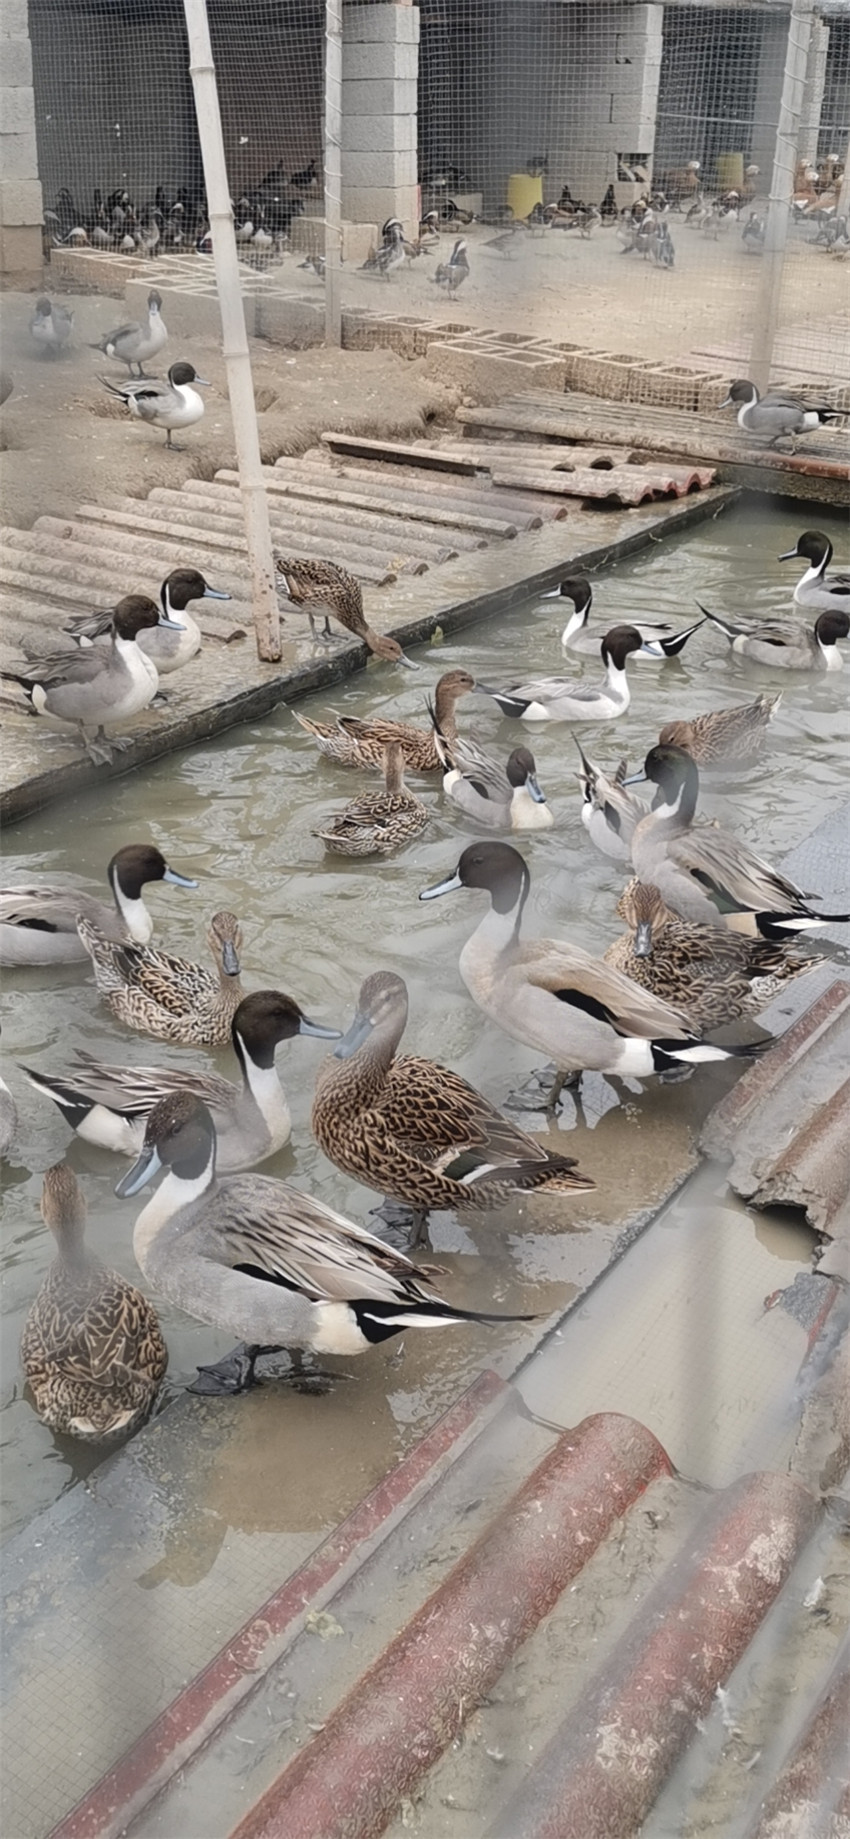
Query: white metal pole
{"points": [[333, 171], [766, 317], [240, 383]]}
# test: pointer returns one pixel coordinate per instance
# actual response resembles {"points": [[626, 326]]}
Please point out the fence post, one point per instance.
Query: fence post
{"points": [[240, 383], [333, 171], [766, 316]]}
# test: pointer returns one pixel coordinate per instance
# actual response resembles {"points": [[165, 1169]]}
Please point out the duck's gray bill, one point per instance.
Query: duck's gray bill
{"points": [[179, 881], [141, 1172], [635, 779], [215, 593], [172, 624], [305, 1026], [354, 1038], [409, 663], [789, 556], [532, 786], [643, 939], [442, 887], [229, 959]]}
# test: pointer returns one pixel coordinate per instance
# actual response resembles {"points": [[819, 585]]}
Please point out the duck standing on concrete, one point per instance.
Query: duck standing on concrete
{"points": [[776, 416], [170, 405], [51, 327], [322, 587], [826, 593], [136, 342], [170, 646], [101, 684]]}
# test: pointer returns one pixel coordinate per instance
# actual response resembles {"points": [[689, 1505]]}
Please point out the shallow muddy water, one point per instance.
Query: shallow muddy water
{"points": [[238, 813]]}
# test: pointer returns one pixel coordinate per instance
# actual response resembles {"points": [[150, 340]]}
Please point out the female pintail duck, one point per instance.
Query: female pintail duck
{"points": [[170, 405], [352, 741], [103, 683], [709, 975], [776, 415], [563, 699], [609, 811], [552, 995], [264, 1260], [51, 327], [38, 925], [705, 874], [495, 796], [170, 998], [376, 823], [322, 587], [169, 646], [110, 1105], [136, 343], [786, 645], [660, 639], [723, 736], [91, 1348], [826, 593], [413, 1129]]}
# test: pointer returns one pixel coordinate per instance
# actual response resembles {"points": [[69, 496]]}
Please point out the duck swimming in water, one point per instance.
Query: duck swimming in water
{"points": [[38, 925], [563, 699], [826, 593], [787, 645], [660, 639]]}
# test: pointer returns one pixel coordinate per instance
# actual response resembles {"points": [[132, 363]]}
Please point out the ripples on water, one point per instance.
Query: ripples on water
{"points": [[238, 813]]}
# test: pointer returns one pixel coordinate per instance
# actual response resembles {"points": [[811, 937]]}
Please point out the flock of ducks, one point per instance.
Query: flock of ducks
{"points": [[709, 933]]}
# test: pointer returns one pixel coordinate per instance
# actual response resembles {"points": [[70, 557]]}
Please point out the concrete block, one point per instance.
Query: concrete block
{"points": [[291, 319], [15, 63], [489, 374], [375, 203], [18, 153], [379, 133], [14, 19], [21, 201], [378, 96], [380, 171], [17, 112], [307, 237], [21, 256], [93, 271], [365, 62], [368, 24]]}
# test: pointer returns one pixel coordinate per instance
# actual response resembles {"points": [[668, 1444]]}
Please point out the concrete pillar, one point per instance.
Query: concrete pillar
{"points": [[807, 146], [380, 69], [771, 71], [21, 212], [617, 52]]}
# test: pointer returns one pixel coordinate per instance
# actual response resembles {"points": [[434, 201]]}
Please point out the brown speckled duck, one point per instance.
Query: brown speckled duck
{"points": [[323, 587], [170, 997], [351, 741], [711, 976], [724, 735], [376, 823]]}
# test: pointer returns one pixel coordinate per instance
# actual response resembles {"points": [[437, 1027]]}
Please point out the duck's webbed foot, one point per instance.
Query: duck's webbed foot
{"points": [[98, 748], [235, 1373], [409, 1223]]}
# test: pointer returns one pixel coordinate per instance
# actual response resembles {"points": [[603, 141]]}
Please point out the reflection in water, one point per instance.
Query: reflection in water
{"points": [[238, 813]]}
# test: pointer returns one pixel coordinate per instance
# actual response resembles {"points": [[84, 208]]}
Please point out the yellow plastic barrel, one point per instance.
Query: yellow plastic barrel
{"points": [[730, 171], [524, 192]]}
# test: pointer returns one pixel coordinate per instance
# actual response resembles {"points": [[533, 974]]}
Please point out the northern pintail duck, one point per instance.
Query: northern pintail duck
{"points": [[110, 1105], [101, 684], [827, 594], [777, 414], [787, 645], [660, 639], [91, 1347], [136, 342], [264, 1260], [171, 998], [452, 274], [170, 405], [376, 823], [415, 1130], [704, 873], [609, 811], [323, 587], [495, 796], [554, 996], [169, 646], [8, 1119], [354, 741], [721, 736], [564, 699], [38, 925], [51, 327], [709, 975]]}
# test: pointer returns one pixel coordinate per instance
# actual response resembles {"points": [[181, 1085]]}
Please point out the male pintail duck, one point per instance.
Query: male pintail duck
{"points": [[495, 796], [323, 587], [38, 925], [353, 741], [452, 274], [168, 646], [51, 327], [171, 998], [722, 736], [8, 1119], [564, 699], [170, 405], [136, 343], [110, 1105], [376, 823], [554, 996], [91, 1347], [609, 811], [103, 683], [413, 1129], [709, 975], [787, 645], [704, 873], [264, 1260], [827, 594], [660, 639], [776, 415]]}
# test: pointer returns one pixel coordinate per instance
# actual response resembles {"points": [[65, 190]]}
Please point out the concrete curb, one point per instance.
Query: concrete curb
{"points": [[406, 1709], [601, 1773]]}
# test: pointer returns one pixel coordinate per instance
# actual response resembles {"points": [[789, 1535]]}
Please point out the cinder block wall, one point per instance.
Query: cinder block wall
{"points": [[21, 262], [380, 66]]}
